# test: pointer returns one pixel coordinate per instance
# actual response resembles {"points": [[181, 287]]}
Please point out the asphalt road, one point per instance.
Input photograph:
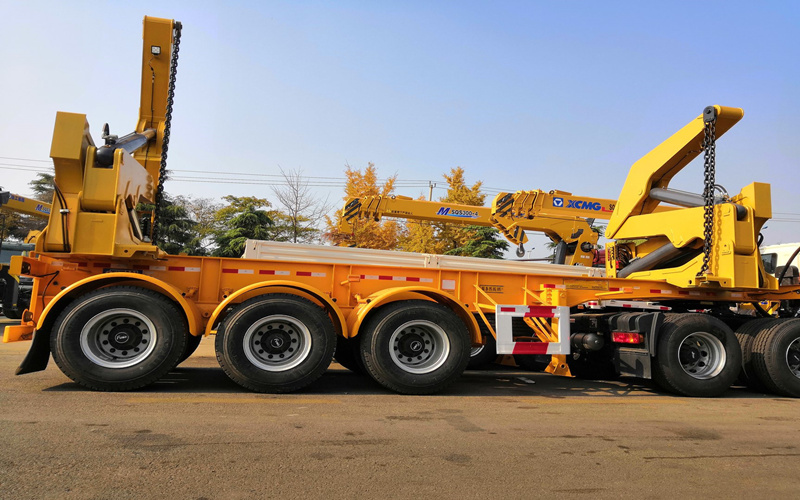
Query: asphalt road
{"points": [[498, 433]]}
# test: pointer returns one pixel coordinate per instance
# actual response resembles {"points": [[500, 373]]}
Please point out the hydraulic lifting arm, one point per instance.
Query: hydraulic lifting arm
{"points": [[98, 188], [710, 240], [572, 233]]}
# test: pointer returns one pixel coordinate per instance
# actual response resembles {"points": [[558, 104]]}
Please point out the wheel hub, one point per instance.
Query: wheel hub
{"points": [[118, 338], [277, 343], [411, 345], [419, 347], [124, 337], [702, 355]]}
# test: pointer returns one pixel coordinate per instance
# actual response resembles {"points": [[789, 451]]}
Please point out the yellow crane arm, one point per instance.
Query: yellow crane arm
{"points": [[28, 206], [562, 229]]}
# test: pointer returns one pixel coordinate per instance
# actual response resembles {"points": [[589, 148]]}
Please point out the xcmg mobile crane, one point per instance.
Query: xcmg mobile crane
{"points": [[15, 293], [118, 314], [575, 239]]}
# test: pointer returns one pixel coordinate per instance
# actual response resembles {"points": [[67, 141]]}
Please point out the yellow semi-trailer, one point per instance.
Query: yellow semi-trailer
{"points": [[117, 314]]}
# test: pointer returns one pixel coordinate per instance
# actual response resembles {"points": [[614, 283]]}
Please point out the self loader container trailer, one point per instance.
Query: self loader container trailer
{"points": [[117, 314]]}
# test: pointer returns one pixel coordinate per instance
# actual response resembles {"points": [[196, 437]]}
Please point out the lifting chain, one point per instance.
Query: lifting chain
{"points": [[162, 174], [709, 150]]}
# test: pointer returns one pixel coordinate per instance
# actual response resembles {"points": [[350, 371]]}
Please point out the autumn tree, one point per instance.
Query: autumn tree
{"points": [[242, 219], [456, 239], [383, 235]]}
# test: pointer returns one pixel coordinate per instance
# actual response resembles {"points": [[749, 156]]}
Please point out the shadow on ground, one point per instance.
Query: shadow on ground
{"points": [[498, 381]]}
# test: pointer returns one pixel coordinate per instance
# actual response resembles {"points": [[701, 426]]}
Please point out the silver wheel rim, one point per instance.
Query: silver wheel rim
{"points": [[793, 357], [419, 347], [118, 338], [277, 343], [702, 355], [474, 351]]}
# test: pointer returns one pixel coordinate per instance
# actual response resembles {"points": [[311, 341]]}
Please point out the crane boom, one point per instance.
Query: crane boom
{"points": [[20, 204], [572, 234]]}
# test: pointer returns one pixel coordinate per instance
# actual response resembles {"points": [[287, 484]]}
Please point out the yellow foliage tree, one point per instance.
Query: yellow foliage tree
{"points": [[439, 238], [384, 235]]}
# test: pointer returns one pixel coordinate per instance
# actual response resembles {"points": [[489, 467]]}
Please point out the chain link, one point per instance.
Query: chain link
{"points": [[709, 149], [162, 174]]}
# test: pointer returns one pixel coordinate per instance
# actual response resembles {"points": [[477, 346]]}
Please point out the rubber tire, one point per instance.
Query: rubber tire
{"points": [[667, 370], [487, 355], [170, 344], [192, 343], [769, 358], [348, 354], [746, 335], [233, 360], [375, 347]]}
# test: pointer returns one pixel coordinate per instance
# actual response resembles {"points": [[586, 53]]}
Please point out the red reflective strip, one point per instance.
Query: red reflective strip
{"points": [[548, 285], [266, 271], [141, 268], [101, 264], [681, 292], [665, 308], [384, 277], [508, 309], [304, 273], [413, 279], [711, 294], [614, 289], [176, 268], [530, 348], [230, 271], [655, 291], [540, 312], [83, 264], [627, 305]]}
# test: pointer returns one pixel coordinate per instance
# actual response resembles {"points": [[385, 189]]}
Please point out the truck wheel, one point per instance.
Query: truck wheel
{"points": [[415, 347], [192, 343], [276, 343], [118, 338], [348, 354], [483, 355], [776, 358], [697, 355], [746, 335]]}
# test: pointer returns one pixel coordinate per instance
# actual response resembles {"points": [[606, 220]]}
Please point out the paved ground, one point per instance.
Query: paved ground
{"points": [[498, 433]]}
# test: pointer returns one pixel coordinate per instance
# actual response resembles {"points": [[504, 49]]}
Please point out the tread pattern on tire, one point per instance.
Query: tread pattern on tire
{"points": [[75, 374], [384, 376], [324, 346], [746, 335], [671, 381], [769, 364]]}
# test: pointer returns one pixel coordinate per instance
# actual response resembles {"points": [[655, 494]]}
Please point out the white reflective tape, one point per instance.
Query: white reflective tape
{"points": [[448, 284], [504, 327]]}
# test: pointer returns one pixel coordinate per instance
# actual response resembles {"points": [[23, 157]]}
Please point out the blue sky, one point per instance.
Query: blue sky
{"points": [[522, 95]]}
